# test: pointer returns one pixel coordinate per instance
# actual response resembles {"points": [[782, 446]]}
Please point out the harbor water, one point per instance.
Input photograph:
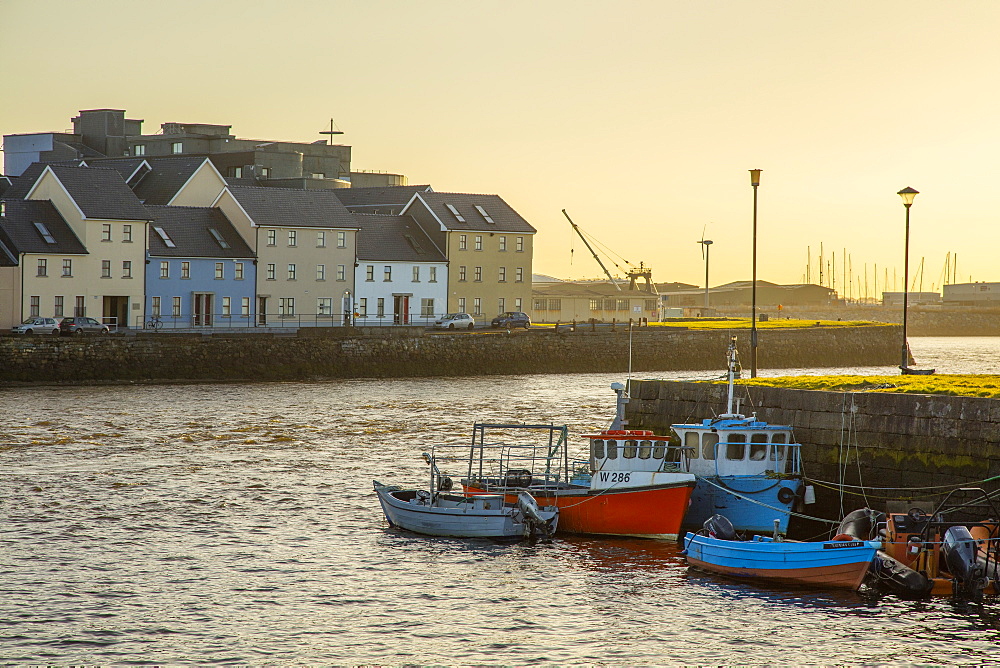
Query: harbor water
{"points": [[236, 524]]}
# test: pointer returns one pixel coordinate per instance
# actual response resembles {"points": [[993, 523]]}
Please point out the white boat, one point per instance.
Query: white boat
{"points": [[433, 512]]}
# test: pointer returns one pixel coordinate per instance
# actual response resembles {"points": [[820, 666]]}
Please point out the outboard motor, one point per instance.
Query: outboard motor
{"points": [[718, 526], [960, 551]]}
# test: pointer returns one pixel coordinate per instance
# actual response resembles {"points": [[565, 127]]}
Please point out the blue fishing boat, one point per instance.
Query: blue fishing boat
{"points": [[830, 563], [748, 470]]}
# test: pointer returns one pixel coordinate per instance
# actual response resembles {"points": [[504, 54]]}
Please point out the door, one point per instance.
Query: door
{"points": [[201, 311], [401, 309], [262, 310], [115, 312]]}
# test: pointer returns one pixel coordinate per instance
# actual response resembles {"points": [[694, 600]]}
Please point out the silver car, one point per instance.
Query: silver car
{"points": [[37, 326], [455, 321]]}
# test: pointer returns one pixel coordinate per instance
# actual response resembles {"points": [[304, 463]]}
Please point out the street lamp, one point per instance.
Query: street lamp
{"points": [[706, 245], [754, 181], [907, 194], [348, 308]]}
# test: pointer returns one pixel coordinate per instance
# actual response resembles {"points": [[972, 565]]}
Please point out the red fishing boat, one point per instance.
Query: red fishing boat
{"points": [[631, 485]]}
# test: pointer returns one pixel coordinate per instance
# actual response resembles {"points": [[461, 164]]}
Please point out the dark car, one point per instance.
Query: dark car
{"points": [[82, 325], [511, 319]]}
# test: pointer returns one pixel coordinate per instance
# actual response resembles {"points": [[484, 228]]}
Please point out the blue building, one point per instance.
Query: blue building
{"points": [[199, 271]]}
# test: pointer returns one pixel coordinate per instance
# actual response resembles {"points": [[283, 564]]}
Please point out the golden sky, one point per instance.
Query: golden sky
{"points": [[640, 118]]}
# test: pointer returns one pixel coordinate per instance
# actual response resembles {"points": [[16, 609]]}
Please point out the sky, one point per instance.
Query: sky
{"points": [[640, 118]]}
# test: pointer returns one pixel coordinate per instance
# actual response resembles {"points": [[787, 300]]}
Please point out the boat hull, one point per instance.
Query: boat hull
{"points": [[647, 512], [751, 502], [457, 516], [838, 564]]}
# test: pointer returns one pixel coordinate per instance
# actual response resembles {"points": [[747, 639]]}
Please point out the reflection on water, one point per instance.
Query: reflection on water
{"points": [[236, 524]]}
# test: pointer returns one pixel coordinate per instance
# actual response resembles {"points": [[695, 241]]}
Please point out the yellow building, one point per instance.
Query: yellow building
{"points": [[565, 301]]}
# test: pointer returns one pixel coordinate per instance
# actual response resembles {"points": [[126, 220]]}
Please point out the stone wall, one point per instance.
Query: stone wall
{"points": [[400, 352], [885, 442], [920, 320]]}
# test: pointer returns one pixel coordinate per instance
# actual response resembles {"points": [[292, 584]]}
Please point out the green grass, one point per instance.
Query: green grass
{"points": [[951, 385], [774, 323]]}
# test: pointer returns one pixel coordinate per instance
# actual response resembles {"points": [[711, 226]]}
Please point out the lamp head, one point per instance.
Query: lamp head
{"points": [[755, 177], [908, 194]]}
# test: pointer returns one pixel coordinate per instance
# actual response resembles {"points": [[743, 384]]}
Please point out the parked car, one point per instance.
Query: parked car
{"points": [[511, 319], [455, 321], [37, 325], [82, 325]]}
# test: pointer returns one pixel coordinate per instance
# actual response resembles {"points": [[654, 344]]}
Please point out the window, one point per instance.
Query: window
{"points": [[609, 304], [320, 272], [708, 443], [433, 277], [595, 304], [463, 242], [57, 308], [236, 172], [461, 273], [541, 304], [341, 239], [167, 241], [319, 175], [623, 304], [35, 303], [185, 270], [612, 449], [43, 267], [455, 213], [736, 449], [519, 244], [139, 149], [105, 268], [238, 271], [502, 275], [44, 231], [164, 269], [227, 307], [645, 449], [127, 234], [555, 304], [381, 307], [758, 447], [461, 304], [175, 307], [126, 269], [482, 212], [177, 147], [67, 268], [503, 243], [519, 275], [370, 273], [272, 237], [477, 306], [155, 307], [218, 238], [478, 274], [479, 242], [416, 274], [387, 273], [244, 307], [292, 235], [691, 443], [597, 445], [629, 449], [362, 306], [80, 307], [321, 239], [500, 305], [517, 304], [270, 272], [291, 271], [427, 308], [650, 304], [341, 272], [220, 270], [106, 232], [286, 306], [324, 306]]}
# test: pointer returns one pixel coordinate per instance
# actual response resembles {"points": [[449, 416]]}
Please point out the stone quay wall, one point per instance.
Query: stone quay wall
{"points": [[897, 446], [920, 320], [413, 352]]}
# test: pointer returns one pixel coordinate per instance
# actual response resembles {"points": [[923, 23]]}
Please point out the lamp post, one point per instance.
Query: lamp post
{"points": [[348, 309], [754, 181], [907, 194], [706, 244]]}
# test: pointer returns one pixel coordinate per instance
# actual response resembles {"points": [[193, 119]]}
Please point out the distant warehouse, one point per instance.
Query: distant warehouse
{"points": [[972, 294]]}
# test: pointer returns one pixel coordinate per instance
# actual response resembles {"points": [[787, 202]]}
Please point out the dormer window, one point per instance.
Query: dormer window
{"points": [[486, 216], [44, 231], [218, 237], [166, 237], [455, 213]]}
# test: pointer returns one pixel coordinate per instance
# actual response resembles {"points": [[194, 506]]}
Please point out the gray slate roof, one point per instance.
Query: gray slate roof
{"points": [[188, 227], [124, 166], [169, 175], [100, 193], [286, 207], [20, 185], [18, 227], [362, 200], [505, 219], [394, 239], [5, 183]]}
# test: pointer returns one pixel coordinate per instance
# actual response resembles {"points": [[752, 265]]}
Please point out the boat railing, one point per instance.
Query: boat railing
{"points": [[790, 463], [539, 455]]}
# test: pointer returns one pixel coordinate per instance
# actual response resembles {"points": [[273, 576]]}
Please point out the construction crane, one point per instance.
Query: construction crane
{"points": [[592, 251]]}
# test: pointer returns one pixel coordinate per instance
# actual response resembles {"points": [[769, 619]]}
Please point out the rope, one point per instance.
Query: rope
{"points": [[761, 503], [915, 489]]}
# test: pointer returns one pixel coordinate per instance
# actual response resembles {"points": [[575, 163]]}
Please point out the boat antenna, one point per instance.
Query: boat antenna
{"points": [[731, 373], [628, 380]]}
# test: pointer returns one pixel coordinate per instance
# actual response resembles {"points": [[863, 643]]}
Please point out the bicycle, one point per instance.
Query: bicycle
{"points": [[153, 323]]}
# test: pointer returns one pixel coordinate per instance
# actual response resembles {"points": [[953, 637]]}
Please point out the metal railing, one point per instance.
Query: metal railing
{"points": [[269, 321]]}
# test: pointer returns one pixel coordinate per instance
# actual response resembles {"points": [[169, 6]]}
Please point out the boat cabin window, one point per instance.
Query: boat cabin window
{"points": [[779, 452], [659, 449], [597, 446], [779, 438], [691, 442], [758, 447], [612, 449], [737, 446], [708, 444], [629, 449], [645, 449]]}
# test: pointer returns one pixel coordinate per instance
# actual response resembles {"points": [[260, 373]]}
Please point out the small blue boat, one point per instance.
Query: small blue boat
{"points": [[748, 470], [831, 563]]}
